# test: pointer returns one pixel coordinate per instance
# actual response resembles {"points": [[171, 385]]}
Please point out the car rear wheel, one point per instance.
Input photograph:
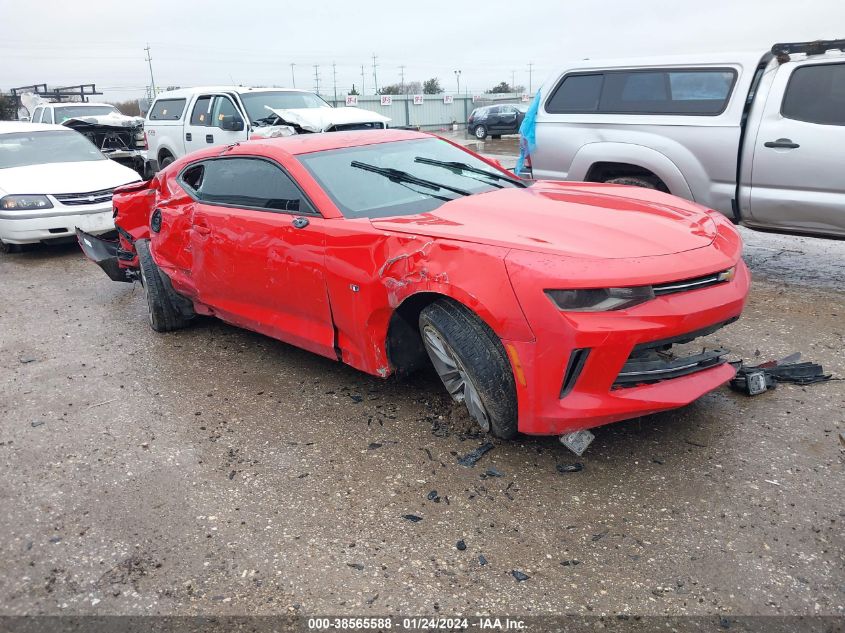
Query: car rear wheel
{"points": [[472, 364], [480, 132], [162, 302]]}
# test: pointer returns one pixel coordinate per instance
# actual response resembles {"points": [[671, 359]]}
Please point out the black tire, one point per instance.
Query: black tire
{"points": [[480, 132], [481, 355], [165, 160], [633, 181], [162, 301], [7, 248]]}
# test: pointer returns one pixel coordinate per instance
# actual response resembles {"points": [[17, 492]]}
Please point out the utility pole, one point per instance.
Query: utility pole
{"points": [[513, 80], [458, 78], [149, 61], [402, 78], [334, 80], [362, 80], [375, 77], [530, 72], [317, 78], [292, 75]]}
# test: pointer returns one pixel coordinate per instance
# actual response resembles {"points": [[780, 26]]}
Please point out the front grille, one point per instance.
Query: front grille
{"points": [[91, 197], [691, 284], [657, 360]]}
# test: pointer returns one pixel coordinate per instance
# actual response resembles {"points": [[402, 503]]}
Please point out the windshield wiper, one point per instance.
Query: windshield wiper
{"points": [[399, 176], [459, 167]]}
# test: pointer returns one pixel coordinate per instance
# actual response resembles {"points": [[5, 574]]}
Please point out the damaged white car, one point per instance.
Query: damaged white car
{"points": [[186, 120], [117, 136], [53, 180]]}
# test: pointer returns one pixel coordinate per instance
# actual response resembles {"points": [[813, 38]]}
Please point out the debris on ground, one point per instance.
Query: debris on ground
{"points": [[470, 459], [570, 468], [482, 561], [413, 518], [570, 563], [492, 472], [520, 577], [36, 423], [357, 566], [373, 446], [433, 496], [755, 379], [461, 545]]}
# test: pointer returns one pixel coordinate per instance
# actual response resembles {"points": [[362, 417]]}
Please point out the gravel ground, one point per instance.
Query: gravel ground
{"points": [[215, 471]]}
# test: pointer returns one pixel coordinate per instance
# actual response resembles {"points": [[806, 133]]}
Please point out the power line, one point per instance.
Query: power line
{"points": [[334, 80], [402, 78], [362, 79]]}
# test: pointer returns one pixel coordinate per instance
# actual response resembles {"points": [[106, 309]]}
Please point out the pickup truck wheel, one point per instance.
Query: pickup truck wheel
{"points": [[166, 159], [164, 315], [633, 181], [480, 132], [472, 363]]}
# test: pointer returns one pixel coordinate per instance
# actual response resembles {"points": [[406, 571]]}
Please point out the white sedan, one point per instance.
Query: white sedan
{"points": [[53, 180]]}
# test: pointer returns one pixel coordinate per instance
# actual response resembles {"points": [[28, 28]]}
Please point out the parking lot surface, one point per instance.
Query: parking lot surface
{"points": [[217, 471]]}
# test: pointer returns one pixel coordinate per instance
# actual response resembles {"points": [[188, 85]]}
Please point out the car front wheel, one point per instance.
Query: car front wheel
{"points": [[480, 132], [472, 363], [162, 301]]}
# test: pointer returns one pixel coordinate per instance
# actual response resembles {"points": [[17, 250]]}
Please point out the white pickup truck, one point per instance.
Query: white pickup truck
{"points": [[757, 136], [185, 120]]}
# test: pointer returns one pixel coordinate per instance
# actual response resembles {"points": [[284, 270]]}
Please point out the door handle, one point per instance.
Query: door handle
{"points": [[187, 136], [300, 223], [782, 143], [209, 138]]}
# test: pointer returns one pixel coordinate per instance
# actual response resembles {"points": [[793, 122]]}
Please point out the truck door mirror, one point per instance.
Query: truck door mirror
{"points": [[232, 124]]}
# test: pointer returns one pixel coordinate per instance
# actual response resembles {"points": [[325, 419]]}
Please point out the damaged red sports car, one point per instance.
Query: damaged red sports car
{"points": [[545, 307]]}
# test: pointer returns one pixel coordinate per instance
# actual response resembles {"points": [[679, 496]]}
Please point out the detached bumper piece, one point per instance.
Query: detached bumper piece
{"points": [[753, 380], [105, 253]]}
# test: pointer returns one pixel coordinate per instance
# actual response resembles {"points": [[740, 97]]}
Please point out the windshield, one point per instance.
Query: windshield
{"points": [[382, 187], [254, 102], [74, 112], [20, 149]]}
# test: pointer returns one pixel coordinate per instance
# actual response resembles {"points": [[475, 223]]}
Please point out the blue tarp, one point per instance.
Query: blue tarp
{"points": [[528, 133]]}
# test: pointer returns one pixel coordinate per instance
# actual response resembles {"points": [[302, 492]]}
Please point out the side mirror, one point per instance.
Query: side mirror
{"points": [[232, 124]]}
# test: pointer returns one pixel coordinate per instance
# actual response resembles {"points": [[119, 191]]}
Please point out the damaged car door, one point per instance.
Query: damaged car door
{"points": [[258, 251]]}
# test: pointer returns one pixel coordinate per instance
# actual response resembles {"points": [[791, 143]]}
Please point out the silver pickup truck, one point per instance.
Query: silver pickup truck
{"points": [[759, 137]]}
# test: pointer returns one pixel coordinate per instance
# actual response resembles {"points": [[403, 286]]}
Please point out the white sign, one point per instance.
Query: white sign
{"points": [[447, 99], [476, 98], [351, 100], [525, 98], [386, 100], [418, 99]]}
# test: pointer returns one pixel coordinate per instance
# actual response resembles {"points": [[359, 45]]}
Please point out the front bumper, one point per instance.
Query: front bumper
{"points": [[59, 222], [586, 369]]}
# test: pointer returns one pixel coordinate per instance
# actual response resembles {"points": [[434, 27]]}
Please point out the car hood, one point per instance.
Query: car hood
{"points": [[322, 119], [576, 219], [51, 178], [111, 120]]}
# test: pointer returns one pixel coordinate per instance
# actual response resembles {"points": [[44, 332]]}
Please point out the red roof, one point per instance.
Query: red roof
{"points": [[306, 143]]}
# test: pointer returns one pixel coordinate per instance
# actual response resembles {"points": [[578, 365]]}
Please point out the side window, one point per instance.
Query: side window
{"points": [[36, 114], [201, 114], [224, 113], [695, 92], [249, 182], [816, 94], [167, 110], [47, 116], [192, 177], [576, 93]]}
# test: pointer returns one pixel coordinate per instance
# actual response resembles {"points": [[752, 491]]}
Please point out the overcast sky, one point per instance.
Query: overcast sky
{"points": [[254, 43]]}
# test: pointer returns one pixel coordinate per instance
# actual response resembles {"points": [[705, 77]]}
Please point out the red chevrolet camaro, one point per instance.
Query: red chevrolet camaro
{"points": [[545, 307]]}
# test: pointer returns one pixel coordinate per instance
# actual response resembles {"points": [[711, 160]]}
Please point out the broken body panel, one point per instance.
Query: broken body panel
{"points": [[349, 289], [119, 137]]}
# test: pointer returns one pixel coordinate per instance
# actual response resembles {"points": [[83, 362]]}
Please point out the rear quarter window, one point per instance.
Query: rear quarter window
{"points": [[167, 110]]}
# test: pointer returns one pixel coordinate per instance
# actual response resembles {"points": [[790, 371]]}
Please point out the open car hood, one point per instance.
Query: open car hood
{"points": [[576, 219], [323, 119], [112, 120]]}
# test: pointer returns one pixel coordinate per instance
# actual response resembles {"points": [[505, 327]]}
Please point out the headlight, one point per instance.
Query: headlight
{"points": [[600, 299], [20, 203]]}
